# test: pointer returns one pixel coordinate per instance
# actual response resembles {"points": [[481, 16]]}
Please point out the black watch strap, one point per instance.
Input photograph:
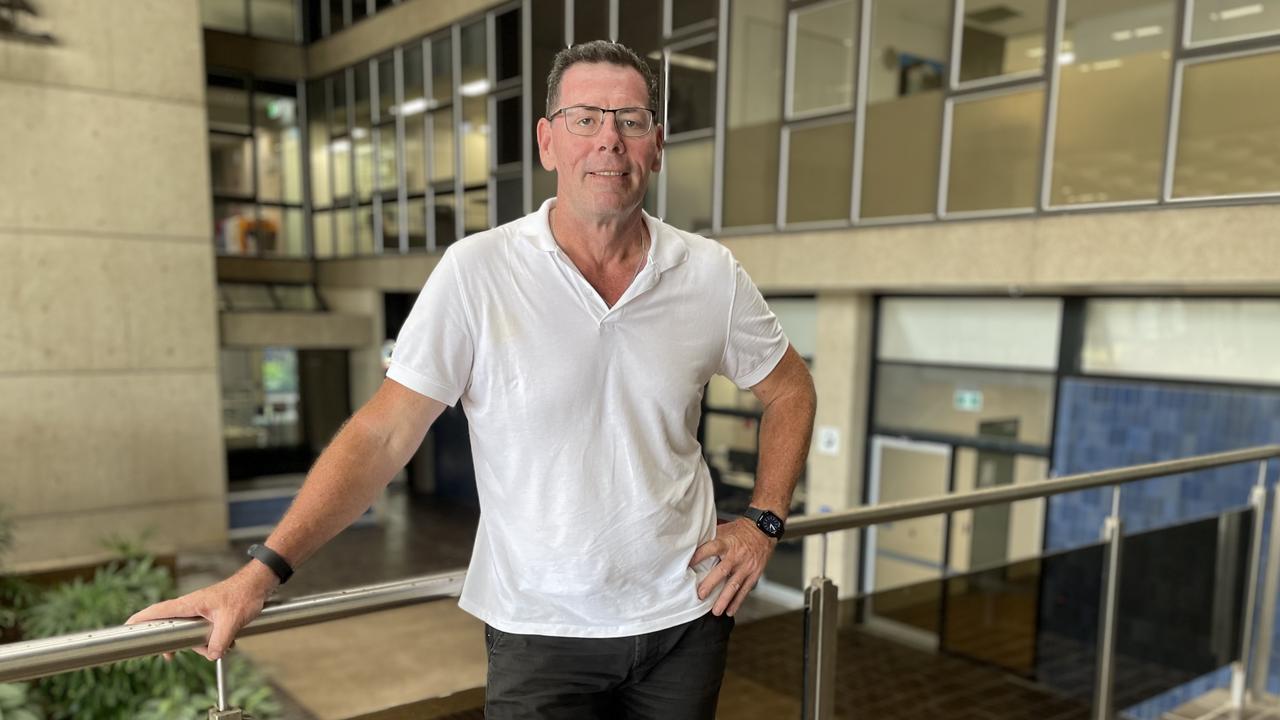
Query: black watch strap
{"points": [[768, 523], [272, 559]]}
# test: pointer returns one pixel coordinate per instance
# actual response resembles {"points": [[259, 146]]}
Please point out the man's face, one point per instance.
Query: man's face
{"points": [[603, 175]]}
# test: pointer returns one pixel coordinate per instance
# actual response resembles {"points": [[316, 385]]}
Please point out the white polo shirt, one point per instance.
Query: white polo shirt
{"points": [[583, 418]]}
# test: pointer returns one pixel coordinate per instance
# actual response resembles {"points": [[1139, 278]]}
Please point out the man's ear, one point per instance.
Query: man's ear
{"points": [[544, 145]]}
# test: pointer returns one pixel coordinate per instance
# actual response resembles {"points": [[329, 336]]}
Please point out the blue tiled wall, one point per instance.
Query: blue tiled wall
{"points": [[1110, 423]]}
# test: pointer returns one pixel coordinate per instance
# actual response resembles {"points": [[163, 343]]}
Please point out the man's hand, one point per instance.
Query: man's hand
{"points": [[743, 551], [229, 605]]}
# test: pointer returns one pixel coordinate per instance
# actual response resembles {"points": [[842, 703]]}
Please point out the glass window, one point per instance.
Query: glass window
{"points": [[730, 445], [688, 169], [475, 73], [475, 140], [248, 296], [415, 87], [390, 226], [273, 19], [362, 149], [228, 104], [388, 177], [322, 231], [964, 401], [903, 138], [442, 145], [995, 152], [1003, 39], [359, 10], [442, 68], [380, 5], [1113, 102], [510, 129], [338, 107], [820, 172], [341, 170], [691, 102], [231, 164], [475, 214], [279, 146], [337, 16], [417, 223], [1217, 340], [507, 53], [233, 228], [1000, 332], [823, 39], [280, 231], [364, 230], [1219, 20], [688, 12], [510, 199], [227, 15], [386, 69], [296, 297], [344, 232], [640, 28], [754, 112], [314, 21], [445, 219], [590, 21], [415, 159], [260, 398], [1228, 136], [318, 136], [362, 99]]}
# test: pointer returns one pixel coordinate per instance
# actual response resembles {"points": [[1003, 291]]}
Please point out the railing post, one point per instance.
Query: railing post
{"points": [[1113, 535], [821, 619], [1257, 501], [222, 712], [1261, 666]]}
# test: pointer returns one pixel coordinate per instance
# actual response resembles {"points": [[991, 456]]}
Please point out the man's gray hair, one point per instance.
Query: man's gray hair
{"points": [[598, 51]]}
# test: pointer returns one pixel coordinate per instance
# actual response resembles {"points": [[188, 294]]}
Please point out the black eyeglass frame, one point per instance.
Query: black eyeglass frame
{"points": [[653, 118]]}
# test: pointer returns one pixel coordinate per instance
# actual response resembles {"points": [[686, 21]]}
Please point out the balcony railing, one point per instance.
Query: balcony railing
{"points": [[33, 659]]}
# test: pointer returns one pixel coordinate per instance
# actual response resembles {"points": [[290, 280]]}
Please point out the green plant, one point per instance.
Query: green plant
{"points": [[144, 687], [15, 594], [15, 703]]}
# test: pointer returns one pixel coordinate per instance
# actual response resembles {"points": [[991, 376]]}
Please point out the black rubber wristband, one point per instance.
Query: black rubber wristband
{"points": [[272, 559]]}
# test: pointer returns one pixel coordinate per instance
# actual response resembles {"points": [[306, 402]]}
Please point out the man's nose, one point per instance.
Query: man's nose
{"points": [[609, 138]]}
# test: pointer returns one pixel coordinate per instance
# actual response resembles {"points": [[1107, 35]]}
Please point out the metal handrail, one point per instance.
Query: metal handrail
{"points": [[904, 510], [38, 658]]}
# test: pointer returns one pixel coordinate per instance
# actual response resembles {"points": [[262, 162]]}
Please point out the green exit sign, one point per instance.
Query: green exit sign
{"points": [[967, 400]]}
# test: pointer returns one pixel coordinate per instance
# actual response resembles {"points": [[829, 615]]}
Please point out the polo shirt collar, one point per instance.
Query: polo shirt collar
{"points": [[668, 248]]}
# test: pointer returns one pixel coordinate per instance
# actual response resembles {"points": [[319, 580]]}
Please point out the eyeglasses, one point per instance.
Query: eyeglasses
{"points": [[587, 120]]}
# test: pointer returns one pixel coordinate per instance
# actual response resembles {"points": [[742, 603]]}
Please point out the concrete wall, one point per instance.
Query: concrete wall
{"points": [[109, 404]]}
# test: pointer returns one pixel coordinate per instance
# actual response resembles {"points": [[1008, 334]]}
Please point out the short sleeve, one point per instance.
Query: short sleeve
{"points": [[435, 348], [755, 342]]}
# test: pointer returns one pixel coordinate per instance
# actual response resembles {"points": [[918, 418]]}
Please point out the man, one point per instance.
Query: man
{"points": [[579, 340]]}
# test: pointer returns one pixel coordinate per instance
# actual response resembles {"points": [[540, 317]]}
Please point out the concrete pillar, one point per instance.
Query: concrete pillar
{"points": [[841, 373], [110, 412]]}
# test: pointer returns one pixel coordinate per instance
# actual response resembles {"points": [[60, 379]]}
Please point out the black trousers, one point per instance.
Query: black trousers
{"points": [[671, 674]]}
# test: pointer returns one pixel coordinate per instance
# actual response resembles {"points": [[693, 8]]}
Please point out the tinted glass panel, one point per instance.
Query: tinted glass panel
{"points": [[442, 68], [318, 137], [475, 75], [363, 97], [995, 152], [691, 104], [822, 74], [415, 159], [322, 230], [231, 164], [590, 21], [386, 69], [507, 37], [475, 211], [1219, 20], [442, 145], [338, 104], [688, 169], [388, 177], [754, 112], [279, 147], [510, 130], [390, 226], [688, 12], [475, 140], [510, 203], [820, 172], [1003, 39], [417, 223], [942, 400], [445, 219], [1228, 136], [228, 105]]}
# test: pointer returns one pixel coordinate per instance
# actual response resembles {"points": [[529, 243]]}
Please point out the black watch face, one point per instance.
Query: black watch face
{"points": [[771, 524]]}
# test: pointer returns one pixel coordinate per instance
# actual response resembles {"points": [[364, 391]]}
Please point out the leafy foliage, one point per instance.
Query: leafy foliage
{"points": [[139, 689], [16, 705]]}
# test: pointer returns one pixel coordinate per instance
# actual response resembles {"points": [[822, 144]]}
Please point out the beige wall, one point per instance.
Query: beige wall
{"points": [[110, 419]]}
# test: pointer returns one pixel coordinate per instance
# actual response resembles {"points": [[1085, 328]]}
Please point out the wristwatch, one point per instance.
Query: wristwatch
{"points": [[769, 524], [272, 559]]}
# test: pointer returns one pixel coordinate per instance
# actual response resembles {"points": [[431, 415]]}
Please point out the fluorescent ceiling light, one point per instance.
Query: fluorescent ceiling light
{"points": [[341, 145], [413, 107], [1147, 31], [1237, 12], [1122, 35], [475, 88], [1066, 58], [693, 62], [1035, 52], [1108, 64], [359, 133]]}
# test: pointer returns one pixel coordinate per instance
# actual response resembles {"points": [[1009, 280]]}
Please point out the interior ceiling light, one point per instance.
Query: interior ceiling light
{"points": [[1236, 12], [1147, 31], [475, 88], [413, 107]]}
